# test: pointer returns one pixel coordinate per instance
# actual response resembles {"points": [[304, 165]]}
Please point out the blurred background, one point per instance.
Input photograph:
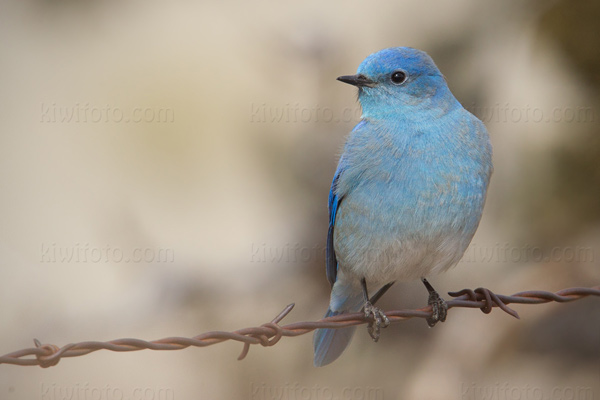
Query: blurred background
{"points": [[165, 170]]}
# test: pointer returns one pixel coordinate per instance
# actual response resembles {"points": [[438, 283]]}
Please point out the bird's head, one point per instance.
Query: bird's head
{"points": [[399, 77]]}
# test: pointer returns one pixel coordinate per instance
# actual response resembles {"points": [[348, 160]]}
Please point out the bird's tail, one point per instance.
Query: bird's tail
{"points": [[330, 343]]}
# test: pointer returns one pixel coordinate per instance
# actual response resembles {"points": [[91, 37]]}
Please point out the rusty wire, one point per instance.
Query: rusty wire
{"points": [[48, 355]]}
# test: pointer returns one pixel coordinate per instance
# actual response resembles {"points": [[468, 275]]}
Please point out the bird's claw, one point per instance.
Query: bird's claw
{"points": [[380, 320], [439, 309]]}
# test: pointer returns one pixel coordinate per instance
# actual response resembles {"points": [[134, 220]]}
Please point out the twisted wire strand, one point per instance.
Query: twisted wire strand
{"points": [[269, 334]]}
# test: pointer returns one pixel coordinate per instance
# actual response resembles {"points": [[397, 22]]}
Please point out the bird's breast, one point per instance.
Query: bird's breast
{"points": [[408, 207]]}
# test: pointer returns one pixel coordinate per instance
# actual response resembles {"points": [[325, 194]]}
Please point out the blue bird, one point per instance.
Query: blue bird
{"points": [[408, 192]]}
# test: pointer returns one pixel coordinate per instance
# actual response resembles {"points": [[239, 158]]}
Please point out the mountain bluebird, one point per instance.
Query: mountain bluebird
{"points": [[408, 192]]}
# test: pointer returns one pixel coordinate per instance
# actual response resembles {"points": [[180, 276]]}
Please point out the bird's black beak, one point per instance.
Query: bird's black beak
{"points": [[357, 80]]}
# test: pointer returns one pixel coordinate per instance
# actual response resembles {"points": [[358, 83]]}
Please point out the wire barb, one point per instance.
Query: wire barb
{"points": [[488, 298], [270, 333]]}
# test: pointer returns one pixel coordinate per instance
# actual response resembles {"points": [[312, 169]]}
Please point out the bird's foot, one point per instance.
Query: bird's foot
{"points": [[439, 309], [380, 320]]}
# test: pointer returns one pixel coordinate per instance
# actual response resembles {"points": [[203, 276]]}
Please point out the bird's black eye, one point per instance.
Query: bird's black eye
{"points": [[398, 77]]}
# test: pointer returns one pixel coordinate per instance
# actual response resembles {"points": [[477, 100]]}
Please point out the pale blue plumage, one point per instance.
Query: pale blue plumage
{"points": [[410, 186]]}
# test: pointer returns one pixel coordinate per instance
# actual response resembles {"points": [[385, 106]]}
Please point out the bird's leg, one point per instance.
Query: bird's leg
{"points": [[379, 318], [380, 292], [439, 307]]}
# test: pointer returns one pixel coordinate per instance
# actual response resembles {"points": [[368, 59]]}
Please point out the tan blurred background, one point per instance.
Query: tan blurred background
{"points": [[198, 140]]}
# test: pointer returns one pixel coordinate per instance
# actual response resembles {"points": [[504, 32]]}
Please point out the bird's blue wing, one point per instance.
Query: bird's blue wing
{"points": [[334, 202], [335, 199]]}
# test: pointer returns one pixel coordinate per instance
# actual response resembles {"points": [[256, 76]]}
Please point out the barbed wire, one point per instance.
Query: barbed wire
{"points": [[48, 355]]}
